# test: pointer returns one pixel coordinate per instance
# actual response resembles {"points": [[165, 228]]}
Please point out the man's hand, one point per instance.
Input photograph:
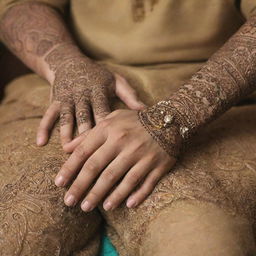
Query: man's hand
{"points": [[81, 93], [81, 88], [117, 155]]}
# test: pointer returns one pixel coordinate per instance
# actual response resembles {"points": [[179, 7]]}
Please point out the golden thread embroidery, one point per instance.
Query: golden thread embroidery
{"points": [[228, 76]]}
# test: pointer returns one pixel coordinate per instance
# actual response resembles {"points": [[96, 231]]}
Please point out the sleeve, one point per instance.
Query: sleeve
{"points": [[226, 78], [57, 4], [248, 8]]}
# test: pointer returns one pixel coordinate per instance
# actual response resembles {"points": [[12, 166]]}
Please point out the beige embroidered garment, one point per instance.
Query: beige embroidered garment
{"points": [[165, 40], [156, 45]]}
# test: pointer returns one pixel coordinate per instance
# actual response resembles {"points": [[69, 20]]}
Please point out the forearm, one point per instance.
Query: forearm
{"points": [[37, 34], [227, 77]]}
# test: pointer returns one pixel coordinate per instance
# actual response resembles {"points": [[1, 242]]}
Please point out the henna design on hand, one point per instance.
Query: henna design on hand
{"points": [[79, 83], [228, 75], [37, 34]]}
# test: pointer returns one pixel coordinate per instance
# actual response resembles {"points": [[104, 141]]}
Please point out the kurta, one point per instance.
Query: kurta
{"points": [[157, 45]]}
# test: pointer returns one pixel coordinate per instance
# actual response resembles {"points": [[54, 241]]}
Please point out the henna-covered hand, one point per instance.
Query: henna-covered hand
{"points": [[117, 153], [79, 86], [37, 34], [81, 91]]}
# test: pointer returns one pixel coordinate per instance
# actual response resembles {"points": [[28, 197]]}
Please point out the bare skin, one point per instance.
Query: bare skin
{"points": [[81, 88], [172, 231], [125, 151], [228, 76]]}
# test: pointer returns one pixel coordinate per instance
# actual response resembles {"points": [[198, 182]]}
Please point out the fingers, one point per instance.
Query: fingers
{"points": [[134, 176], [83, 116], [66, 123], [70, 146], [127, 94], [91, 169], [110, 176], [100, 106], [47, 123], [147, 187], [82, 152]]}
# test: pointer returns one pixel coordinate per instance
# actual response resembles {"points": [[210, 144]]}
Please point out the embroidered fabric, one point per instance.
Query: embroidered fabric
{"points": [[48, 48], [228, 76]]}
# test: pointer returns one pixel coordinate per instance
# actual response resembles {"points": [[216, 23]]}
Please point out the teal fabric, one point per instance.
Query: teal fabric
{"points": [[107, 248]]}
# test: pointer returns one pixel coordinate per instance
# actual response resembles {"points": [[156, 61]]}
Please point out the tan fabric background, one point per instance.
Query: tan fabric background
{"points": [[248, 7], [157, 51], [164, 32], [156, 45]]}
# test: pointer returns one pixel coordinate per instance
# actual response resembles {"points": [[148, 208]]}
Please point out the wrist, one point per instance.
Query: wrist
{"points": [[57, 57], [164, 114], [163, 127]]}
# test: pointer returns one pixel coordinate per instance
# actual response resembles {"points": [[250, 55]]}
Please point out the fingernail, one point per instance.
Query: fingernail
{"points": [[107, 206], [40, 141], [131, 203], [59, 181], [70, 200], [86, 206], [142, 104]]}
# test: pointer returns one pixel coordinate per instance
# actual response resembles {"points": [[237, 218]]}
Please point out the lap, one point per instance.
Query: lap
{"points": [[218, 169], [194, 228], [34, 219]]}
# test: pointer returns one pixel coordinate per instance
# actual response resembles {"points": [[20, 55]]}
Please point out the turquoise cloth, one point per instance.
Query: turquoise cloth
{"points": [[107, 248]]}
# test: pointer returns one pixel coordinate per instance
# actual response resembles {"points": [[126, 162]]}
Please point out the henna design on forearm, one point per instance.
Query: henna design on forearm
{"points": [[37, 34], [31, 30], [61, 54], [227, 77]]}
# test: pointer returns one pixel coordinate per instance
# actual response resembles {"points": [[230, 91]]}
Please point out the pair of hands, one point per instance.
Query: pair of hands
{"points": [[114, 160], [80, 93]]}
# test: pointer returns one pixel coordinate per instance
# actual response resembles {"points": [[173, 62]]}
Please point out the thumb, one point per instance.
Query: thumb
{"points": [[127, 94]]}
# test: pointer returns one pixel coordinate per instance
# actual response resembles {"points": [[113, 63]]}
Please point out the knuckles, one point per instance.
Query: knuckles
{"points": [[65, 170], [102, 77], [109, 176], [139, 147], [90, 165], [116, 197], [76, 189], [80, 152], [121, 135], [104, 124], [115, 133], [152, 157], [94, 195], [134, 179]]}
